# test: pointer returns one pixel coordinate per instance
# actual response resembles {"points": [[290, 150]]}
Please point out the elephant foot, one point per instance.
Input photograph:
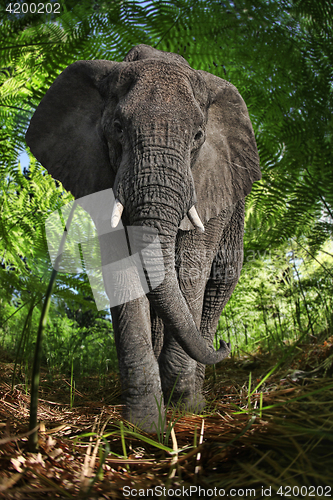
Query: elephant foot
{"points": [[150, 423], [148, 415], [193, 403]]}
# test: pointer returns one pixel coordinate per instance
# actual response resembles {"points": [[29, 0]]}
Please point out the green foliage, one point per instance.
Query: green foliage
{"points": [[90, 348], [69, 346], [277, 53], [282, 295]]}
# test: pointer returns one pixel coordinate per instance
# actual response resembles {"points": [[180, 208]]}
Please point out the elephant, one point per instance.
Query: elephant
{"points": [[177, 147]]}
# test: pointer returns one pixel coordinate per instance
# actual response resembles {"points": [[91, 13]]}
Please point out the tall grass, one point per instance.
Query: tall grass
{"points": [[280, 297], [70, 347]]}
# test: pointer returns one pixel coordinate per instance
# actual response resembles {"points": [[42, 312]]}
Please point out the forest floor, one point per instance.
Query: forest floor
{"points": [[273, 439]]}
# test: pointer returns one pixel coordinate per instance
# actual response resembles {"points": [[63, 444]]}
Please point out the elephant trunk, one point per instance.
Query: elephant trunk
{"points": [[160, 200], [170, 305]]}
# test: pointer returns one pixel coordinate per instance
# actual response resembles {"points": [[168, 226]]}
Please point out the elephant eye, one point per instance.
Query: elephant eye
{"points": [[118, 128], [198, 136]]}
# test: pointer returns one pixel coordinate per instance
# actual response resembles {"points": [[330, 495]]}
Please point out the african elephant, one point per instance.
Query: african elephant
{"points": [[178, 149]]}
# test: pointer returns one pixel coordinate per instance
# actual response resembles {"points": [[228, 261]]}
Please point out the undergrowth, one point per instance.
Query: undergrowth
{"points": [[267, 430]]}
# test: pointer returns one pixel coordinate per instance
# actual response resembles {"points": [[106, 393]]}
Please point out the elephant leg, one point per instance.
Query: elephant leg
{"points": [[223, 278], [138, 367]]}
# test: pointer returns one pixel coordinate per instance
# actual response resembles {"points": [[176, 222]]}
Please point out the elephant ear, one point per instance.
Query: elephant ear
{"points": [[228, 162], [65, 132]]}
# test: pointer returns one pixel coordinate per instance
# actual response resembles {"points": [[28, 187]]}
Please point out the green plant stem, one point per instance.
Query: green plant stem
{"points": [[22, 341], [33, 438]]}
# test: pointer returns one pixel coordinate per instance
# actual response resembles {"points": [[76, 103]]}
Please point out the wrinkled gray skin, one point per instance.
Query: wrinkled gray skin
{"points": [[165, 137]]}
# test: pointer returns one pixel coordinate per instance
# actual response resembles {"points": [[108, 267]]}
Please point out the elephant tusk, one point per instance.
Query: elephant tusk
{"points": [[116, 213], [195, 219]]}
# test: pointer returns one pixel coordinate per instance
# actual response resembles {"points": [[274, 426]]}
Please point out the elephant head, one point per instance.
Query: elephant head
{"points": [[166, 138]]}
